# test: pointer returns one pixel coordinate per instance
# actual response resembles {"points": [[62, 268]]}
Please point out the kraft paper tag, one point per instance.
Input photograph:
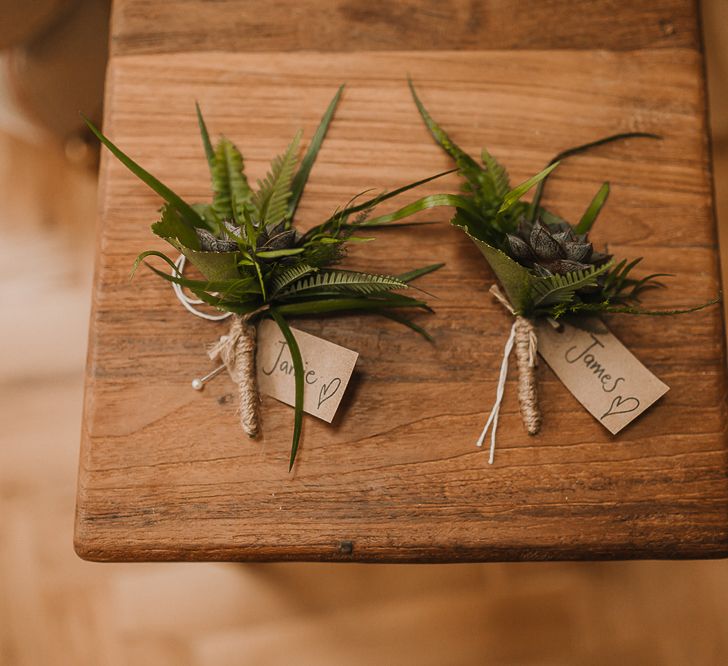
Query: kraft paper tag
{"points": [[600, 371], [327, 368]]}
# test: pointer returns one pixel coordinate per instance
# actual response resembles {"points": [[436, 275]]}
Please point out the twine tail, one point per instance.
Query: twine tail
{"points": [[492, 422], [526, 349], [237, 351]]}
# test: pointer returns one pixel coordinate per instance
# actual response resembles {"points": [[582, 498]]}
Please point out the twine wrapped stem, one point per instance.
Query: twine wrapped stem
{"points": [[236, 350], [526, 358]]}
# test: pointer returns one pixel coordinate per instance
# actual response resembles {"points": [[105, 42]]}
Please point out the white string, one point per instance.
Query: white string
{"points": [[493, 418], [188, 302]]}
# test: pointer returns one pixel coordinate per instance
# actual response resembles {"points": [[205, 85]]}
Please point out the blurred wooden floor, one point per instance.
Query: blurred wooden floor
{"points": [[56, 609]]}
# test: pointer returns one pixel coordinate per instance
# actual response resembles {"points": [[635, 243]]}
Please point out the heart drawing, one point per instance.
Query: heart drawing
{"points": [[621, 405], [328, 390]]}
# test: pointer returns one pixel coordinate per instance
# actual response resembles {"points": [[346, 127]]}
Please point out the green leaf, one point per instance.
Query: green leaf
{"points": [[238, 289], [613, 275], [229, 181], [398, 300], [425, 203], [584, 147], [239, 306], [274, 191], [328, 305], [556, 289], [301, 177], [171, 226], [418, 272], [187, 213], [275, 254], [261, 280], [349, 281], [360, 239], [628, 309], [250, 234], [401, 319], [647, 282], [591, 213], [517, 192], [213, 265], [370, 203], [617, 277], [209, 151], [516, 280], [466, 164], [298, 376], [389, 225], [152, 253], [569, 152], [241, 303]]}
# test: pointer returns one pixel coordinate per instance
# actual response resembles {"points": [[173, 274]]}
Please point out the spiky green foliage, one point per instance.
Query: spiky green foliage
{"points": [[274, 191], [229, 182], [546, 266], [253, 260]]}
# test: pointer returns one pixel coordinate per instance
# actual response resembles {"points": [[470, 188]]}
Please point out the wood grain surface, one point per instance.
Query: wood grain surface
{"points": [[165, 472], [165, 26]]}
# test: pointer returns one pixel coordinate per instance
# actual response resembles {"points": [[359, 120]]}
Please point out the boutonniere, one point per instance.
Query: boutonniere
{"points": [[548, 270], [255, 263]]}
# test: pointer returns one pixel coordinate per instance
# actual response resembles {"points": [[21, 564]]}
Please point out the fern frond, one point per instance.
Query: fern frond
{"points": [[229, 181], [342, 281], [557, 289], [497, 173], [289, 275], [274, 191]]}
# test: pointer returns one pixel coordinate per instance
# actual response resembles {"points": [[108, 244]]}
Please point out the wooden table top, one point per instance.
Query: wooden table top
{"points": [[165, 472]]}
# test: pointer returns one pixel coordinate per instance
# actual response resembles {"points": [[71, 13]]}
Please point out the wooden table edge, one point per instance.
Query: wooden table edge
{"points": [[88, 549]]}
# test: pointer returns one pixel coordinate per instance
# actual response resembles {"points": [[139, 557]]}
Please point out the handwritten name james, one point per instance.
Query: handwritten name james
{"points": [[588, 357]]}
